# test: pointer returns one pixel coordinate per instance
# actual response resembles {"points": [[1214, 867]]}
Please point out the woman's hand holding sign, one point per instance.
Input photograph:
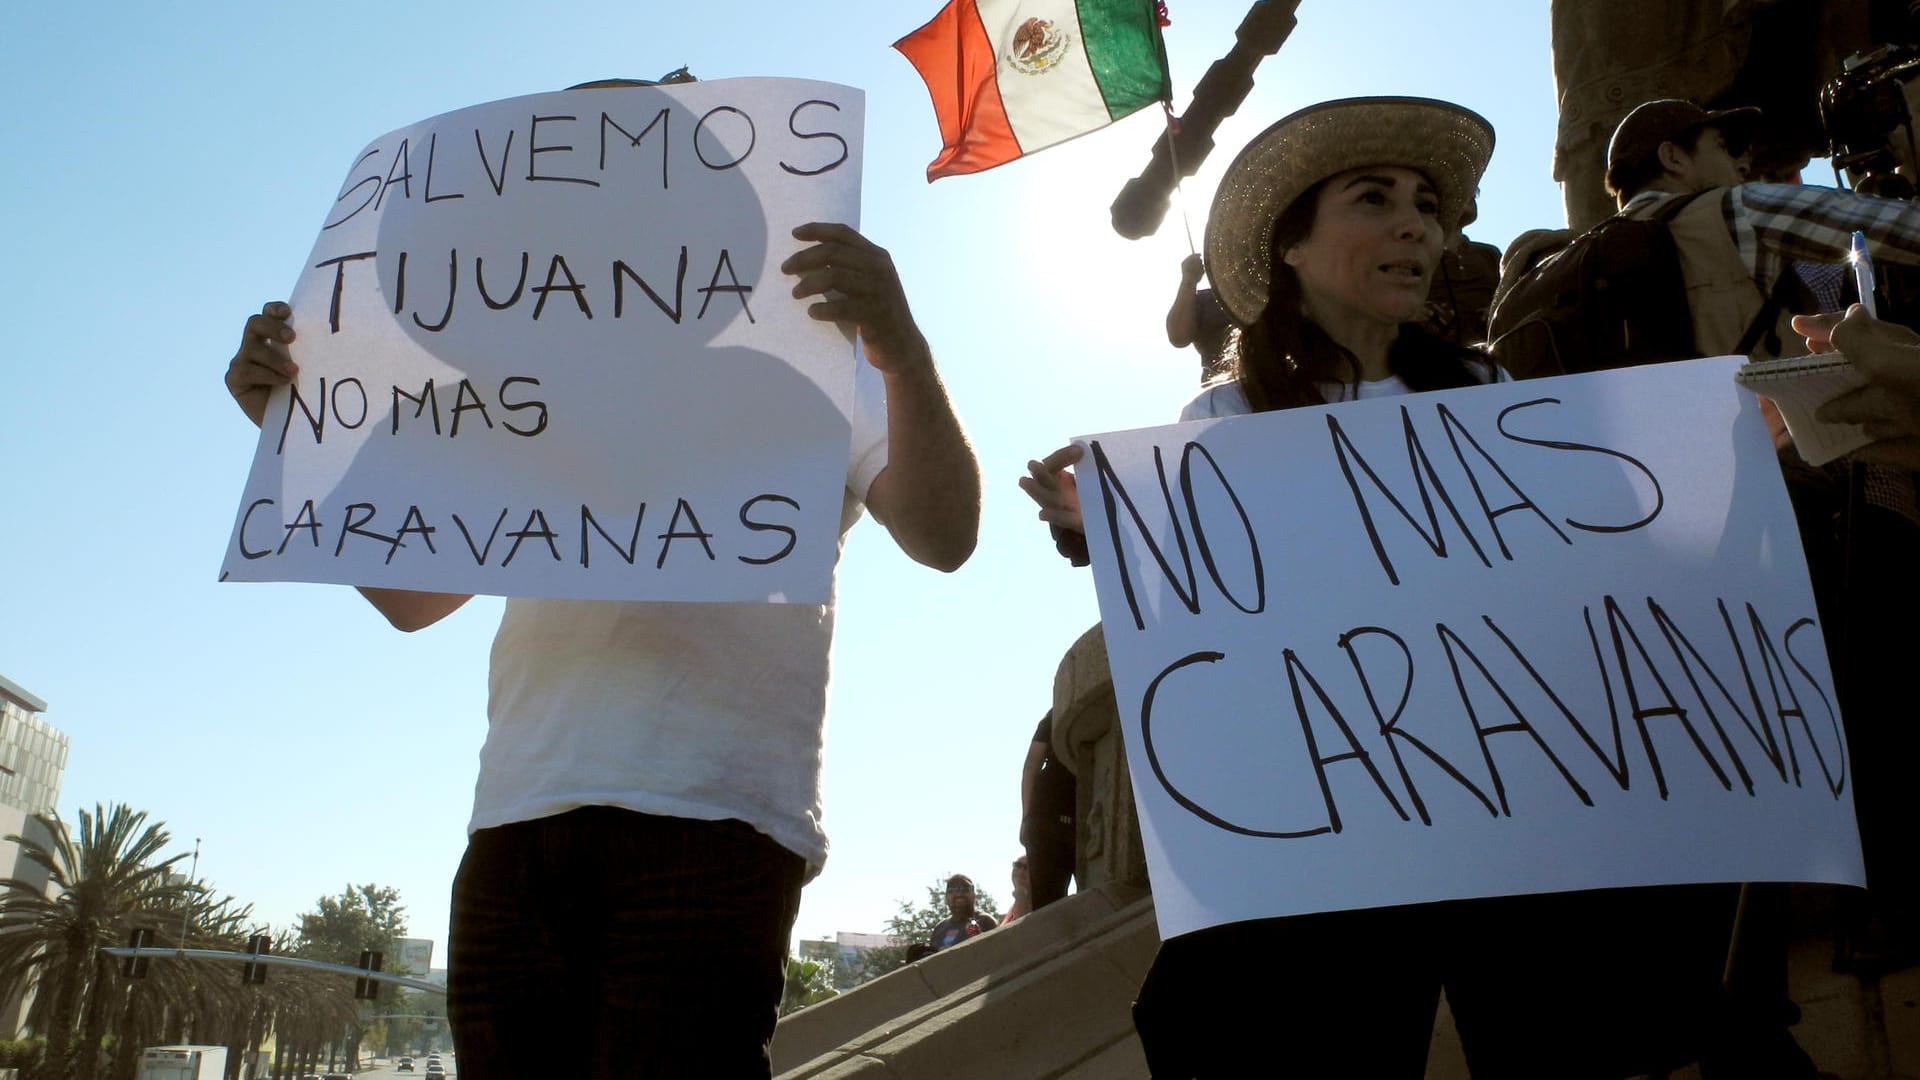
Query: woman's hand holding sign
{"points": [[1050, 484]]}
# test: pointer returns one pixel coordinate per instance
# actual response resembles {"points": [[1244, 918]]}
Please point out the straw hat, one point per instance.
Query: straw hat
{"points": [[1447, 143]]}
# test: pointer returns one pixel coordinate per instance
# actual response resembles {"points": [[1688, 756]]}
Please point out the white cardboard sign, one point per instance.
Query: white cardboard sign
{"points": [[546, 350], [1527, 637]]}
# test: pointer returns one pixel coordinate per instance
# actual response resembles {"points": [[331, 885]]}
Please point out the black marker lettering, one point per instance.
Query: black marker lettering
{"points": [[467, 398], [539, 424], [245, 551], [666, 130], [480, 279], [558, 268], [536, 526], [433, 144], [675, 532], [1454, 647], [402, 167], [714, 286], [453, 284], [1421, 467], [408, 525], [768, 526], [621, 271], [629, 553], [480, 554], [309, 519], [1160, 773], [1200, 537], [506, 157], [1457, 431], [752, 137], [428, 401], [363, 182], [534, 150], [1390, 725], [1659, 497], [351, 526], [793, 122], [1112, 494], [339, 283]]}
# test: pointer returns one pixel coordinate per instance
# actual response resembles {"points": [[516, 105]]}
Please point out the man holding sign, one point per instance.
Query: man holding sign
{"points": [[648, 803]]}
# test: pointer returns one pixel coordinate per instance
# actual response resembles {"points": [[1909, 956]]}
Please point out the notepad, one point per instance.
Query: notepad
{"points": [[1801, 384]]}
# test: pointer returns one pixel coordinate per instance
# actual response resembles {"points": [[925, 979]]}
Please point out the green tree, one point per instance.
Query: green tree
{"points": [[914, 925], [100, 886], [361, 917], [808, 982], [340, 927]]}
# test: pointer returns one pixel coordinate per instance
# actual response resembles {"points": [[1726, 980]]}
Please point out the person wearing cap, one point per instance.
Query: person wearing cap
{"points": [[962, 921], [1738, 240], [1753, 256], [1322, 244]]}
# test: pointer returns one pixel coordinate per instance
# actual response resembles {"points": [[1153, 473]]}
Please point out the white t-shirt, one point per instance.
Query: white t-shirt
{"points": [[1226, 399], [693, 710]]}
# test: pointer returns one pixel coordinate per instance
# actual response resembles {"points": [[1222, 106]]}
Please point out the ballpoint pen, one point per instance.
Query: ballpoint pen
{"points": [[1862, 271]]}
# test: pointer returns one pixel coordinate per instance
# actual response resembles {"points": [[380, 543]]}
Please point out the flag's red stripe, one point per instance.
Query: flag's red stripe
{"points": [[956, 60]]}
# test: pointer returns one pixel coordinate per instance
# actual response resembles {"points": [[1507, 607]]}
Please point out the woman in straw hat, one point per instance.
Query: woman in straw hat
{"points": [[1324, 237], [1323, 240]]}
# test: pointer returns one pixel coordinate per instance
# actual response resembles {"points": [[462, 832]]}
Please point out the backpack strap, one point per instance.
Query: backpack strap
{"points": [[1777, 300], [1763, 323], [1669, 208]]}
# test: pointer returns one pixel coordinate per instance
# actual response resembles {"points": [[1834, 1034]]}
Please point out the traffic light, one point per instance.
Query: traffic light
{"points": [[135, 967], [368, 989], [252, 974]]}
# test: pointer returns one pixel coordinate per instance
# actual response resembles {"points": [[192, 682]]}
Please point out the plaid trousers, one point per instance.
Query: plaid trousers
{"points": [[608, 943]]}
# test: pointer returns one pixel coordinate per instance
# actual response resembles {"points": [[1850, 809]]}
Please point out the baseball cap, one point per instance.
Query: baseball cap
{"points": [[1669, 120]]}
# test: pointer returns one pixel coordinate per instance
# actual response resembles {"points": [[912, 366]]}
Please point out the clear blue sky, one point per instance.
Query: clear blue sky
{"points": [[167, 168]]}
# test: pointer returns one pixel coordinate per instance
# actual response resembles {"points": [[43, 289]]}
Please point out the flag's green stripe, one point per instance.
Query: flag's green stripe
{"points": [[1123, 48]]}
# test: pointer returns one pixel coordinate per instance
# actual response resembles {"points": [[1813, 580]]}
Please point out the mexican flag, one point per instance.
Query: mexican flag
{"points": [[1009, 77]]}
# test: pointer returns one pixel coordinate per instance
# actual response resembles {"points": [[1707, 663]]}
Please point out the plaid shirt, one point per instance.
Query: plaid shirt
{"points": [[1773, 225]]}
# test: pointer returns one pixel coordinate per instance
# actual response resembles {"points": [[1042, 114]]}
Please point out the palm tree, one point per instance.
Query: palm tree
{"points": [[109, 882], [196, 1001]]}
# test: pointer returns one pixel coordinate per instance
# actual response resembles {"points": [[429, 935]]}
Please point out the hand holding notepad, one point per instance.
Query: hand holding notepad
{"points": [[1864, 399], [1799, 386]]}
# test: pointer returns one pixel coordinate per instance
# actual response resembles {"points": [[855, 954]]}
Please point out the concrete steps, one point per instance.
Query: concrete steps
{"points": [[1046, 997]]}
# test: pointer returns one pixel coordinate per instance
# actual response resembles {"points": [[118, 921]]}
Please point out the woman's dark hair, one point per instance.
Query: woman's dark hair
{"points": [[1284, 356]]}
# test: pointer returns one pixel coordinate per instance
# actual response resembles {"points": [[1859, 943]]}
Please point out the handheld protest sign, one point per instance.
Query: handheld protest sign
{"points": [[1527, 637], [546, 350]]}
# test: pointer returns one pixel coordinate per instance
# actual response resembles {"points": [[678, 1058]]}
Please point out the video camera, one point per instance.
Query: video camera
{"points": [[1868, 111]]}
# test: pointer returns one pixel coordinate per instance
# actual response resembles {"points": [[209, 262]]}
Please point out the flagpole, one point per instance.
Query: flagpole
{"points": [[1173, 157]]}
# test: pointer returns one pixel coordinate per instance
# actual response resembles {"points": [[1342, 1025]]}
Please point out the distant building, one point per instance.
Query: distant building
{"points": [[33, 758], [33, 754], [845, 951]]}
